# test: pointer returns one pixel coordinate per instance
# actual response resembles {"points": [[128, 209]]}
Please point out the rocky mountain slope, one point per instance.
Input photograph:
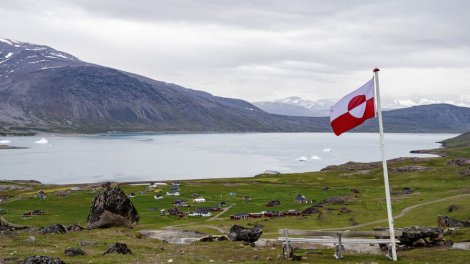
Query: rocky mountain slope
{"points": [[48, 90], [45, 89]]}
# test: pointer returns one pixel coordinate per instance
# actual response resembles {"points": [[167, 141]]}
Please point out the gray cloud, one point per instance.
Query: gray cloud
{"points": [[259, 50]]}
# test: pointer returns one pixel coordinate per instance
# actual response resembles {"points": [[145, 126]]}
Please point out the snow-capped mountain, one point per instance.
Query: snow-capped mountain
{"points": [[20, 57], [296, 106], [49, 90]]}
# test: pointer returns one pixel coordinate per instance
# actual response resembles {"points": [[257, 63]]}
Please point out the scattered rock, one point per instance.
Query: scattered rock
{"points": [[41, 260], [112, 207], [447, 222], [72, 252], [465, 173], [311, 210], [353, 221], [10, 260], [452, 208], [7, 226], [75, 228], [53, 229], [240, 233], [273, 203], [409, 168], [84, 243], [354, 166], [34, 212], [459, 162], [31, 239], [118, 248]]}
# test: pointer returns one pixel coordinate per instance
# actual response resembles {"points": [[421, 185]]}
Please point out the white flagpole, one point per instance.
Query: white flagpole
{"points": [[384, 163]]}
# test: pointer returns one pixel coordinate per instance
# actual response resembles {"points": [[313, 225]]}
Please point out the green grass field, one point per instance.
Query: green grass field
{"points": [[435, 188]]}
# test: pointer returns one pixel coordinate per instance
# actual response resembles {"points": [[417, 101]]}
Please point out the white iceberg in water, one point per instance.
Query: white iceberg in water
{"points": [[4, 142], [41, 141], [303, 158], [315, 157], [326, 150]]}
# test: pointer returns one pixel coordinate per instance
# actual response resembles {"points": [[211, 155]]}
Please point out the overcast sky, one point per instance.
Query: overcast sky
{"points": [[262, 50]]}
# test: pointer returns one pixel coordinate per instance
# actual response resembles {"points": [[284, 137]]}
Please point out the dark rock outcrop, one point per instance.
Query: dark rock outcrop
{"points": [[409, 168], [420, 236], [459, 162], [273, 203], [72, 252], [6, 226], [240, 233], [53, 229], [75, 228], [452, 208], [447, 222], [112, 207], [41, 260], [118, 248]]}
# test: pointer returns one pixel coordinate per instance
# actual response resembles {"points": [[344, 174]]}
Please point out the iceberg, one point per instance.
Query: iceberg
{"points": [[315, 157], [41, 141], [4, 142], [326, 150], [303, 158]]}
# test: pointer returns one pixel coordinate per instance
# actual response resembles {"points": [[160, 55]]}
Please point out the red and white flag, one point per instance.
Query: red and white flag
{"points": [[353, 109]]}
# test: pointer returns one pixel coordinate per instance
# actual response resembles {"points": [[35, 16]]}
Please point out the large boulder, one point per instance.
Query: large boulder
{"points": [[111, 207], [53, 229], [41, 260], [72, 252], [118, 248], [240, 233], [420, 236]]}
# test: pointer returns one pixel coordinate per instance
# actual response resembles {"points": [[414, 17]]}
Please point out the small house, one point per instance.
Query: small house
{"points": [[195, 195], [246, 198], [180, 203], [222, 204], [239, 216], [131, 195], [255, 215], [301, 199], [173, 193], [177, 184], [158, 197], [199, 200]]}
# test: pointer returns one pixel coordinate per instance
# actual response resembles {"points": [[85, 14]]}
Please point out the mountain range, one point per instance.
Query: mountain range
{"points": [[297, 106], [42, 89]]}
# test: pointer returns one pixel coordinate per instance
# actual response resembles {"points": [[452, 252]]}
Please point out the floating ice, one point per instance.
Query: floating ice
{"points": [[4, 142], [41, 141], [303, 158], [326, 150], [315, 157]]}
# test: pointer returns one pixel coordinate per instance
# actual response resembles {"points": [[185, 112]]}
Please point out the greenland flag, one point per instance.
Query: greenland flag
{"points": [[353, 109]]}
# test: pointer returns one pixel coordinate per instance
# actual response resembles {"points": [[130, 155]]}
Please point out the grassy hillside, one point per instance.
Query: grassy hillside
{"points": [[435, 183]]}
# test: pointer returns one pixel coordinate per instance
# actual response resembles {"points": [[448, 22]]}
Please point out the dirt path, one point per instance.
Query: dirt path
{"points": [[401, 214], [216, 217]]}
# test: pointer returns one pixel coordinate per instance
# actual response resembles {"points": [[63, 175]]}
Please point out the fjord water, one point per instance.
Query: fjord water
{"points": [[156, 157]]}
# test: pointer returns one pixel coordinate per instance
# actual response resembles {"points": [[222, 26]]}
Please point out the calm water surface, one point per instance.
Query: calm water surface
{"points": [[129, 157]]}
